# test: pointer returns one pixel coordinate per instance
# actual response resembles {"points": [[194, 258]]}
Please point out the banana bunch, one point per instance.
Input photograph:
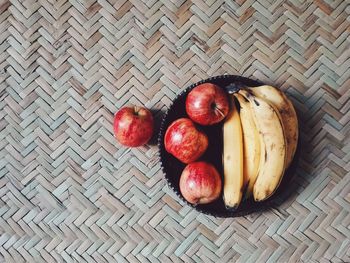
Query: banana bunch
{"points": [[260, 139]]}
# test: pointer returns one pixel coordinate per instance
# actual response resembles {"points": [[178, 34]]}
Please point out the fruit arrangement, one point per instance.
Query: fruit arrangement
{"points": [[225, 143], [259, 131]]}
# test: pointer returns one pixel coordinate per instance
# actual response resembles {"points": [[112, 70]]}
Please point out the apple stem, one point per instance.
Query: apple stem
{"points": [[136, 110], [220, 111]]}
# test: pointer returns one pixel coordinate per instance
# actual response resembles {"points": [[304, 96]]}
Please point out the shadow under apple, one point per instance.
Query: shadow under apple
{"points": [[157, 118]]}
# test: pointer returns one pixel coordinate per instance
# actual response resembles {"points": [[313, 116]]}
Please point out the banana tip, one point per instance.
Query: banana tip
{"points": [[231, 208]]}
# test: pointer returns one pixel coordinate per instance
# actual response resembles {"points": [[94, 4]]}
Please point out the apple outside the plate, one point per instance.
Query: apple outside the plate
{"points": [[207, 104], [200, 183], [133, 126], [184, 141]]}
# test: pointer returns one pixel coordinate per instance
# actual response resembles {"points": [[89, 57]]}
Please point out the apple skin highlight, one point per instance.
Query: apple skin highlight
{"points": [[184, 141], [133, 126], [207, 104], [200, 183]]}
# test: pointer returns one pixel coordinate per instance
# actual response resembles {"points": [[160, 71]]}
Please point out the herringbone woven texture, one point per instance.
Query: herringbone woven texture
{"points": [[70, 193]]}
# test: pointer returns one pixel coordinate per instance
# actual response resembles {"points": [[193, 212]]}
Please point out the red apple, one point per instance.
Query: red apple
{"points": [[207, 104], [133, 126], [200, 183], [184, 141]]}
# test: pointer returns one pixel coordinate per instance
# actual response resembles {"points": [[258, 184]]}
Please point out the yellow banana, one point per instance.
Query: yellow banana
{"points": [[288, 115], [251, 145], [233, 158], [272, 163]]}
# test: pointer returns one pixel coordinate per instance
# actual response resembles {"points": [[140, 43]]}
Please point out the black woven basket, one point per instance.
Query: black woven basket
{"points": [[173, 168]]}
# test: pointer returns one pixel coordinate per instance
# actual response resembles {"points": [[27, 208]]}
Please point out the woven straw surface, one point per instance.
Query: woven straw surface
{"points": [[70, 193]]}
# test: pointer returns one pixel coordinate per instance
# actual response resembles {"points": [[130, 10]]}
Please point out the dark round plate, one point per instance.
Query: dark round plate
{"points": [[173, 168]]}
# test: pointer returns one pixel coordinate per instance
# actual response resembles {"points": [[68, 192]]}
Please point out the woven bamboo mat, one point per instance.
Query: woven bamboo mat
{"points": [[70, 193]]}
